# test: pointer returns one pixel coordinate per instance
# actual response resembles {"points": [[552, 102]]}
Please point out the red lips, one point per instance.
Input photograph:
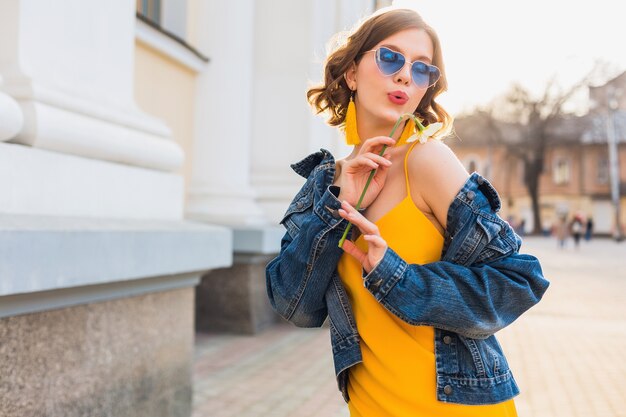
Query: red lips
{"points": [[398, 97]]}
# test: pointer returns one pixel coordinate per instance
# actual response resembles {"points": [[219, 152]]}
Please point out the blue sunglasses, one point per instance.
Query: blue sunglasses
{"points": [[390, 62]]}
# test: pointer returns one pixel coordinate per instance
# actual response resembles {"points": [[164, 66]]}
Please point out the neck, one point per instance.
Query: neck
{"points": [[369, 128]]}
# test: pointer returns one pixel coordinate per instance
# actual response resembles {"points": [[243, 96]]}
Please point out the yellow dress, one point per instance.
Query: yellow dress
{"points": [[397, 376]]}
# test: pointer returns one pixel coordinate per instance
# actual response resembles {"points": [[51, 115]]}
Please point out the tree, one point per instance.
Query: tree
{"points": [[529, 123]]}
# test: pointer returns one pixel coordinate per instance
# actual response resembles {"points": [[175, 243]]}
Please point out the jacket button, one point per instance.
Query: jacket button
{"points": [[480, 181], [299, 204], [333, 212], [470, 195], [447, 390], [376, 286], [447, 340]]}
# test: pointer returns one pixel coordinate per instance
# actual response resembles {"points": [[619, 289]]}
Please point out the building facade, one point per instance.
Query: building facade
{"points": [[144, 161], [576, 172]]}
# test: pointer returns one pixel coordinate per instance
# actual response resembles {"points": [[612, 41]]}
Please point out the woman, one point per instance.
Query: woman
{"points": [[414, 301]]}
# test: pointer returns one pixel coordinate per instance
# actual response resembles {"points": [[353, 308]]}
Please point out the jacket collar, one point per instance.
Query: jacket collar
{"points": [[477, 191], [305, 166]]}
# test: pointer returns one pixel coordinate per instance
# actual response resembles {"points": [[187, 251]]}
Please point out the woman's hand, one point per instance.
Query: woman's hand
{"points": [[376, 244], [356, 171]]}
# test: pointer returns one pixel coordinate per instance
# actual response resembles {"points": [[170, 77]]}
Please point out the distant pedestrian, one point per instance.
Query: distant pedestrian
{"points": [[561, 231], [589, 228], [577, 229], [521, 227]]}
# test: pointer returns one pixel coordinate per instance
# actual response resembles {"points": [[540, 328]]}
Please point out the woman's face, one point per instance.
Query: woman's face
{"points": [[375, 92]]}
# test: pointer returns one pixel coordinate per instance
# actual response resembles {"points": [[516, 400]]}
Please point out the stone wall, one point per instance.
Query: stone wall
{"points": [[127, 357]]}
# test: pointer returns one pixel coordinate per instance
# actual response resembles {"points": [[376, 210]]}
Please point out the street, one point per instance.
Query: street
{"points": [[567, 353]]}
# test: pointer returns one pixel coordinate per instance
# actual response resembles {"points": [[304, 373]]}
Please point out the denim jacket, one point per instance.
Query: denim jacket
{"points": [[480, 285]]}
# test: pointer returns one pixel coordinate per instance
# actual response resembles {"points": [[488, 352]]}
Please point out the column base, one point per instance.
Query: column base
{"points": [[129, 357], [235, 299]]}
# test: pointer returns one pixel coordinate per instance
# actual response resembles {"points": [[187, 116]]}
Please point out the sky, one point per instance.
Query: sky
{"points": [[489, 44]]}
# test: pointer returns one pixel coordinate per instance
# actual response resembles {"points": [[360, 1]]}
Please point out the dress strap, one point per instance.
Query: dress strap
{"points": [[406, 168]]}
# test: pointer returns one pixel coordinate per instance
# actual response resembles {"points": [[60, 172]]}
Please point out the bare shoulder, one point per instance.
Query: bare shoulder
{"points": [[436, 175]]}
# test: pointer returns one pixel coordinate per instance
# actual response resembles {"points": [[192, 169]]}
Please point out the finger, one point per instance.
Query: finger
{"points": [[343, 213], [350, 248], [376, 249], [372, 144], [356, 218], [381, 174], [375, 241], [362, 161], [381, 160]]}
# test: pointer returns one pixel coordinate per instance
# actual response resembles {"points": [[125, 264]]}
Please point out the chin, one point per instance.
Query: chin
{"points": [[392, 116]]}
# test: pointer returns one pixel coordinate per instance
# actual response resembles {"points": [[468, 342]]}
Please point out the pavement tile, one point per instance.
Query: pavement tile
{"points": [[567, 353]]}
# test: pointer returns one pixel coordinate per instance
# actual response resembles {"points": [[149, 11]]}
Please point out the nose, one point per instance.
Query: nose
{"points": [[404, 75]]}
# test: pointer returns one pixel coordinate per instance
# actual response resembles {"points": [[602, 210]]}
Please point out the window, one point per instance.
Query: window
{"points": [[170, 15], [561, 173], [603, 170], [150, 9]]}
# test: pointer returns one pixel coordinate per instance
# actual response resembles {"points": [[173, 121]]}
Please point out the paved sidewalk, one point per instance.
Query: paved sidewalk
{"points": [[568, 353]]}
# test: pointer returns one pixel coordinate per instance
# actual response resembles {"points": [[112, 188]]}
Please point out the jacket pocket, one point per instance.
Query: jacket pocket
{"points": [[487, 358], [296, 212]]}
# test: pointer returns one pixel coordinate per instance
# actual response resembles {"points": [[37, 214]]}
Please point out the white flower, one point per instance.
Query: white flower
{"points": [[428, 131]]}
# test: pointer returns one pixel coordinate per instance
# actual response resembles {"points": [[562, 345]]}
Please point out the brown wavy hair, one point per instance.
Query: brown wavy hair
{"points": [[333, 95]]}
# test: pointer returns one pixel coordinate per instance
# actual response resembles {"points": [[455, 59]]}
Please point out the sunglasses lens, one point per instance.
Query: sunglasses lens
{"points": [[424, 75], [388, 61]]}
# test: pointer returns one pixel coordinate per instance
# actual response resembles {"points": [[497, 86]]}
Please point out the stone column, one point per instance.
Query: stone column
{"points": [[276, 47], [98, 266], [290, 53], [69, 66], [220, 190]]}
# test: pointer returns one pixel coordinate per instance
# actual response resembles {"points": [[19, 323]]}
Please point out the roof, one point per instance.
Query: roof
{"points": [[476, 130], [598, 127]]}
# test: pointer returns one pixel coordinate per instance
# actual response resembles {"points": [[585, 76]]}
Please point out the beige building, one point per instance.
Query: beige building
{"points": [[576, 172]]}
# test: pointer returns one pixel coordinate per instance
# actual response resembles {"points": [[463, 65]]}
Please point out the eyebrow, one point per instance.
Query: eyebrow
{"points": [[397, 49]]}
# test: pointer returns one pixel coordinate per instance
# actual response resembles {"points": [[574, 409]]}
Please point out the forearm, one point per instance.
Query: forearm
{"points": [[474, 301]]}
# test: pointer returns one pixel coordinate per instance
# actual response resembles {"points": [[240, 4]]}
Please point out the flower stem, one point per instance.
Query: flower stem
{"points": [[373, 172]]}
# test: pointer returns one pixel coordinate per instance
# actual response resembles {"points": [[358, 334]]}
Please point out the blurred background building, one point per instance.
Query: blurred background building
{"points": [[575, 177]]}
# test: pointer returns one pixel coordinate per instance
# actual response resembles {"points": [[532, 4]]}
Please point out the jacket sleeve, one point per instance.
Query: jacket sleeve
{"points": [[474, 301], [297, 279], [481, 283]]}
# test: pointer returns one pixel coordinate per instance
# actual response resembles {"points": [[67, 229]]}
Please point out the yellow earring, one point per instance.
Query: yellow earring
{"points": [[352, 135]]}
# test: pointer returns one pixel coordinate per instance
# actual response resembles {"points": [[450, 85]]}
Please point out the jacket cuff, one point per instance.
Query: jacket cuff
{"points": [[385, 274], [328, 205]]}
